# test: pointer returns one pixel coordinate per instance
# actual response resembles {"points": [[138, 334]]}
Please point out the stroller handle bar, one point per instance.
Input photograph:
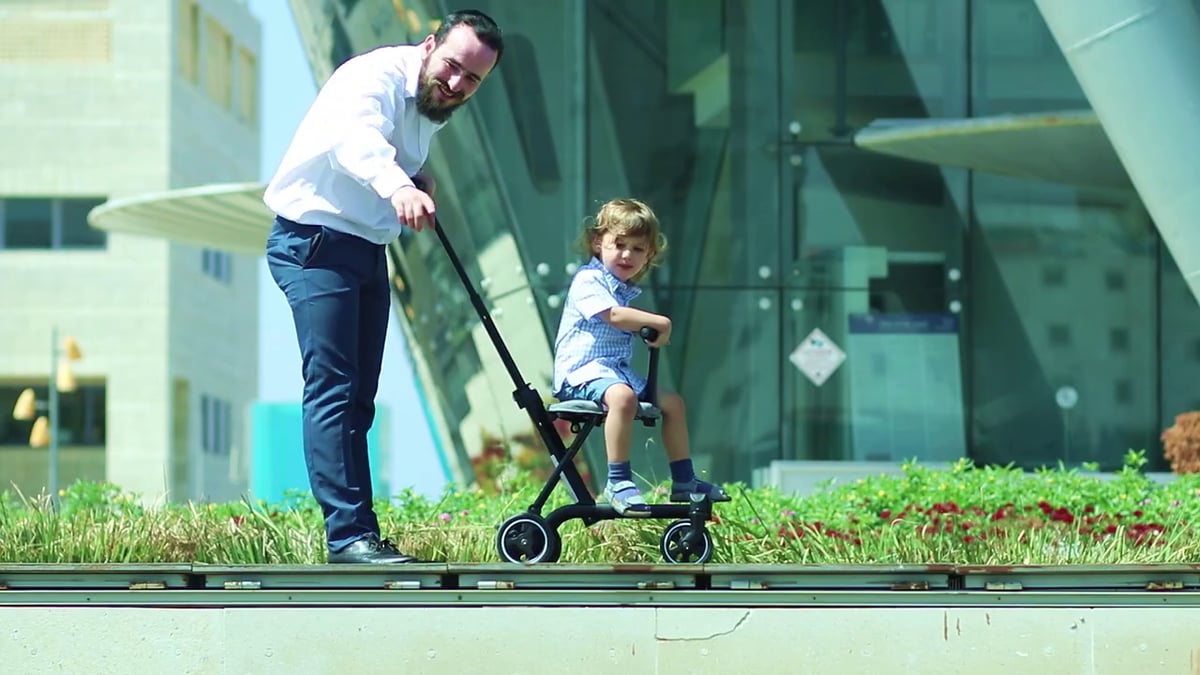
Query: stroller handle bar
{"points": [[651, 395]]}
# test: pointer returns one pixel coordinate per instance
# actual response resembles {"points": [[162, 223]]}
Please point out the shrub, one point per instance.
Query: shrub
{"points": [[1182, 443]]}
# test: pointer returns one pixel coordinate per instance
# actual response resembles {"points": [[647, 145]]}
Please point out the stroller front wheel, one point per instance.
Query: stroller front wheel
{"points": [[683, 542]]}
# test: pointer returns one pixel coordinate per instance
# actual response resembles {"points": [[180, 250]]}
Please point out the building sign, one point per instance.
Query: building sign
{"points": [[817, 357], [905, 387]]}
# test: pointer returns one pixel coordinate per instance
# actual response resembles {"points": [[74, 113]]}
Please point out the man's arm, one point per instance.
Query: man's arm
{"points": [[362, 105], [365, 107]]}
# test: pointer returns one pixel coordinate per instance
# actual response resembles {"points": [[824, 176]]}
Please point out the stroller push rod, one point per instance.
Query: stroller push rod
{"points": [[484, 316]]}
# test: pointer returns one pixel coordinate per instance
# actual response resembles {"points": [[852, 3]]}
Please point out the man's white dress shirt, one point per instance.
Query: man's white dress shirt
{"points": [[358, 144]]}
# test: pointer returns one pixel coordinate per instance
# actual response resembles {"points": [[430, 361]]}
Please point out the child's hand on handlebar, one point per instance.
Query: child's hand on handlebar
{"points": [[657, 336]]}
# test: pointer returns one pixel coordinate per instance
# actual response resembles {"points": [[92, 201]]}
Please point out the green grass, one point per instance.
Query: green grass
{"points": [[963, 515]]}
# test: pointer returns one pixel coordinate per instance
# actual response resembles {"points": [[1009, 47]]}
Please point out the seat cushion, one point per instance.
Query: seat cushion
{"points": [[580, 409]]}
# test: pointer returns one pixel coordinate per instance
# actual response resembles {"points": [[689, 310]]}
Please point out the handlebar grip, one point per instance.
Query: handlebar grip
{"points": [[648, 334]]}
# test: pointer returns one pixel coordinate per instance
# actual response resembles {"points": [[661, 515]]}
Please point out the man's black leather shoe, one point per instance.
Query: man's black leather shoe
{"points": [[370, 550]]}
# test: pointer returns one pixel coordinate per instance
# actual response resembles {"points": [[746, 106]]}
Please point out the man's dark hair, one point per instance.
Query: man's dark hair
{"points": [[485, 29]]}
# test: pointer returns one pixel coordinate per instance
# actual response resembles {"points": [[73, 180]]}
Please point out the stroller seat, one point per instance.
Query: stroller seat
{"points": [[582, 411]]}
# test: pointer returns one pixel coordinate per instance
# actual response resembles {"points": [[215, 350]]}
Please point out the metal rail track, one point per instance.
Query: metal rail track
{"points": [[197, 585]]}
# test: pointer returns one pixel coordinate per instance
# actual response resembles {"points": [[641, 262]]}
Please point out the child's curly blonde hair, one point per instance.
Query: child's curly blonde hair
{"points": [[625, 218]]}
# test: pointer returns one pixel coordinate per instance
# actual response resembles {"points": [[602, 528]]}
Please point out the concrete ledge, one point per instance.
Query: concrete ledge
{"points": [[266, 640]]}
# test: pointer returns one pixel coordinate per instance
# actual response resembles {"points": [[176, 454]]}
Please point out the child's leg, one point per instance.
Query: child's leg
{"points": [[621, 492], [674, 429], [675, 438], [622, 407]]}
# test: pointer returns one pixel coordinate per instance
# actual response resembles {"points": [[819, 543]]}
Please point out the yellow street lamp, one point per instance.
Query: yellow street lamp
{"points": [[45, 428], [26, 406]]}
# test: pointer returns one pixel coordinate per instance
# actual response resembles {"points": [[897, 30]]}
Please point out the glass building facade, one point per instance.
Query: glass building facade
{"points": [[1001, 319]]}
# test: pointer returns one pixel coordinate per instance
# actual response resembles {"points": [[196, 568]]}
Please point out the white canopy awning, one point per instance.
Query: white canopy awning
{"points": [[1064, 147], [230, 217]]}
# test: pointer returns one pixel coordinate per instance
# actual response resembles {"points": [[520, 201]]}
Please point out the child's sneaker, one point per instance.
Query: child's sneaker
{"points": [[681, 492], [626, 499]]}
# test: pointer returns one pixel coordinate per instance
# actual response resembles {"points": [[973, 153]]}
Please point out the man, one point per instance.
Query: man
{"points": [[348, 184]]}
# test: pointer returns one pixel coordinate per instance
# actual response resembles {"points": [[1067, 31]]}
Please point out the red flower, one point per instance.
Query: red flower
{"points": [[1062, 515]]}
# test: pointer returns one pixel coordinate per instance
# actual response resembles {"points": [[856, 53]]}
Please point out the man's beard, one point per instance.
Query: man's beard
{"points": [[427, 99]]}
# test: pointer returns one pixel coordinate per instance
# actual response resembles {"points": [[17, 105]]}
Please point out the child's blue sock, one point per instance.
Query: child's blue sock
{"points": [[682, 471], [619, 471]]}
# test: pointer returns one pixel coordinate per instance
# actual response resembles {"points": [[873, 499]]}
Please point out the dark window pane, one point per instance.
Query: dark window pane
{"points": [[1114, 280], [1060, 334], [12, 432], [82, 415], [1054, 276], [226, 428], [217, 264], [27, 223], [205, 421], [1123, 392], [76, 233], [1118, 339]]}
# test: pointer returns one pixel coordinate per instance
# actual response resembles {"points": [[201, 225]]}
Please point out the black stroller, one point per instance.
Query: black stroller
{"points": [[530, 537]]}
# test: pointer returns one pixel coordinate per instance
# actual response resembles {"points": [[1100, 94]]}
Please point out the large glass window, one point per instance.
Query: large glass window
{"points": [[957, 297], [81, 414], [216, 425], [218, 62], [217, 264], [247, 74], [1049, 380], [189, 40], [40, 223], [1064, 359]]}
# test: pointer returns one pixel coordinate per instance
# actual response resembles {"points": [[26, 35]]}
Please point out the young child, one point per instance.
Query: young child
{"points": [[594, 347]]}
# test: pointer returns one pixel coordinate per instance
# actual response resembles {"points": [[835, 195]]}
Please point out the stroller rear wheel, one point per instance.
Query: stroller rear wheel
{"points": [[527, 538], [683, 542]]}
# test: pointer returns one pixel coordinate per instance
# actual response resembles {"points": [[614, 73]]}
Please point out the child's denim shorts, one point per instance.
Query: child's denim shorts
{"points": [[590, 391]]}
